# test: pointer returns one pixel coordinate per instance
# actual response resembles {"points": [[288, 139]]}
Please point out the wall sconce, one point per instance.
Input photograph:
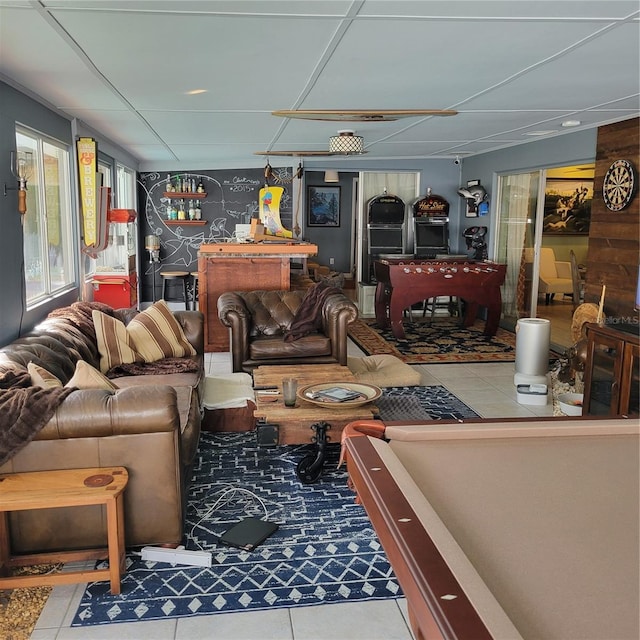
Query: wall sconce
{"points": [[331, 176], [22, 170]]}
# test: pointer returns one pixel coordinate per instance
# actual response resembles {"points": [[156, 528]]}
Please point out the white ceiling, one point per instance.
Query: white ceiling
{"points": [[510, 68]]}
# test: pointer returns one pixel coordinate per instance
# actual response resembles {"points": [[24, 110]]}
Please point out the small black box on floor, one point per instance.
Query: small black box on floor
{"points": [[248, 533], [267, 434]]}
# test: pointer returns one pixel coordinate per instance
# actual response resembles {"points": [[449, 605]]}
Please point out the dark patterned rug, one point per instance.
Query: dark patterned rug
{"points": [[324, 551], [443, 342]]}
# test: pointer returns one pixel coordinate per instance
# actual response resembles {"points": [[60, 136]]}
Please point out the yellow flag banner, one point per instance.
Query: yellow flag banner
{"points": [[87, 168]]}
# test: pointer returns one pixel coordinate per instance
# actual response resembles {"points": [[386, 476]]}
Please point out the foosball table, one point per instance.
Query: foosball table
{"points": [[401, 284]]}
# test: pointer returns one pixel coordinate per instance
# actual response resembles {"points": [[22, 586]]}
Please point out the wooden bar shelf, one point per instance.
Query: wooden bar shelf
{"points": [[194, 195], [192, 223]]}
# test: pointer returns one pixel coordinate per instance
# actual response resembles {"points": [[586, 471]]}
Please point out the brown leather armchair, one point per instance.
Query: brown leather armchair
{"points": [[259, 320]]}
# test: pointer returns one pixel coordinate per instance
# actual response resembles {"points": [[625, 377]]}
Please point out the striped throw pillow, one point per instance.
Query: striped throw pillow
{"points": [[157, 334], [114, 343], [152, 335]]}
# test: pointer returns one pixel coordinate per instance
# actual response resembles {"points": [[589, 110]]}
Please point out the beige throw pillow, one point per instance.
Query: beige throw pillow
{"points": [[84, 377], [40, 377], [88, 377], [152, 335]]}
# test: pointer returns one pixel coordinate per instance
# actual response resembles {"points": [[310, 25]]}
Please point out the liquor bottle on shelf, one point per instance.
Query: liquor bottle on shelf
{"points": [[169, 186], [198, 211], [193, 185], [192, 211], [200, 188], [181, 212], [172, 213], [178, 185]]}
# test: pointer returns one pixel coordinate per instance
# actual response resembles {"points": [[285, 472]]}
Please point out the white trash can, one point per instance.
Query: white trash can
{"points": [[533, 337]]}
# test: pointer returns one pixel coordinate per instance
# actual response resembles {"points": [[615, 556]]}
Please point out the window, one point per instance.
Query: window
{"points": [[126, 189], [48, 241]]}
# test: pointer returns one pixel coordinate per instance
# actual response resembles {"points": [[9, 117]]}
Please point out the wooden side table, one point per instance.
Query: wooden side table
{"points": [[65, 488]]}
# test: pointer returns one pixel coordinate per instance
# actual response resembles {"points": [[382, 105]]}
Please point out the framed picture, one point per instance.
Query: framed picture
{"points": [[323, 206], [567, 206]]}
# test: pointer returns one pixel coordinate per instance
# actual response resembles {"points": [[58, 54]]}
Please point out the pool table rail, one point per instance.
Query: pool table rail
{"points": [[451, 522], [438, 606]]}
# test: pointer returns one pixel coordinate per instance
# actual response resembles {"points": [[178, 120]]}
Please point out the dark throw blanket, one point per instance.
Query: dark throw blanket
{"points": [[308, 317], [158, 367], [79, 315], [24, 410]]}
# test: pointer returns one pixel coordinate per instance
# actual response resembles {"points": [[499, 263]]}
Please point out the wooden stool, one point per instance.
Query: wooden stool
{"points": [[65, 488], [169, 276], [194, 290]]}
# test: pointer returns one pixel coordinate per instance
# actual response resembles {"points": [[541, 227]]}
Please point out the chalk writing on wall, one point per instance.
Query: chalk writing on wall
{"points": [[231, 198]]}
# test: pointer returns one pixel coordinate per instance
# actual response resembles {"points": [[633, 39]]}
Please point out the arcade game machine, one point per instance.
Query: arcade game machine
{"points": [[386, 231], [430, 229], [116, 280]]}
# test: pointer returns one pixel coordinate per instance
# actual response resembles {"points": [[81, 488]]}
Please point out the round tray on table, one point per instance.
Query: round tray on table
{"points": [[311, 393]]}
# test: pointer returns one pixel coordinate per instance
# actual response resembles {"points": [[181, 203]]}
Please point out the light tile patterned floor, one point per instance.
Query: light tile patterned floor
{"points": [[487, 388]]}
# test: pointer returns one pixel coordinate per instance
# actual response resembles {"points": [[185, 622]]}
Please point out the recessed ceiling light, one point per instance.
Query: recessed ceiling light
{"points": [[540, 133], [195, 92], [571, 123]]}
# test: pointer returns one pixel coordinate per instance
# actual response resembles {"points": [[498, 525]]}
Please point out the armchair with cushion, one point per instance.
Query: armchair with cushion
{"points": [[554, 276], [260, 324]]}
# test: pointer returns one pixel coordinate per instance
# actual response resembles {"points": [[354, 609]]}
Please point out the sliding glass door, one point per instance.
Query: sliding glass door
{"points": [[519, 216]]}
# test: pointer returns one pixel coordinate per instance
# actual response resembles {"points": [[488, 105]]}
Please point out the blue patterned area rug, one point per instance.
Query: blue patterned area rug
{"points": [[324, 550]]}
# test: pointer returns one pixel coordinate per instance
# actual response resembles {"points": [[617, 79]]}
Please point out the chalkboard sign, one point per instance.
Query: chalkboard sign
{"points": [[231, 198]]}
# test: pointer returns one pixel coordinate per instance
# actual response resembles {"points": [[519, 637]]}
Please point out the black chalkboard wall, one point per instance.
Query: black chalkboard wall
{"points": [[232, 198]]}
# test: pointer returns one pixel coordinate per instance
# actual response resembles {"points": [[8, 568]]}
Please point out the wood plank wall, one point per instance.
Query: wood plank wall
{"points": [[614, 238]]}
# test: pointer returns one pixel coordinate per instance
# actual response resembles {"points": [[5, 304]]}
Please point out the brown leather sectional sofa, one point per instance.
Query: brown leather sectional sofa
{"points": [[150, 425]]}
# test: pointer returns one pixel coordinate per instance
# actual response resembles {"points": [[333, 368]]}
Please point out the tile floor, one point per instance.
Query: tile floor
{"points": [[487, 388]]}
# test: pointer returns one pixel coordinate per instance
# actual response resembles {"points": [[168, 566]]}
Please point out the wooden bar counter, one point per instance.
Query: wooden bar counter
{"points": [[230, 266]]}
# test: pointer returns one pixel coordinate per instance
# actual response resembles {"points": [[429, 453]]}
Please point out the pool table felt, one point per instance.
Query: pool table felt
{"points": [[538, 522]]}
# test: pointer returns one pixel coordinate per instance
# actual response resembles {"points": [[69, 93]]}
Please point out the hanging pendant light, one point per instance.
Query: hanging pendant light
{"points": [[331, 176], [347, 143]]}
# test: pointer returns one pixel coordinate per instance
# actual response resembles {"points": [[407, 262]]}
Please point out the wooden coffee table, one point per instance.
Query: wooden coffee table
{"points": [[306, 422]]}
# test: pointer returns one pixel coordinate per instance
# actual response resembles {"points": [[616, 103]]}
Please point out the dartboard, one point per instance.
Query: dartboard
{"points": [[619, 185]]}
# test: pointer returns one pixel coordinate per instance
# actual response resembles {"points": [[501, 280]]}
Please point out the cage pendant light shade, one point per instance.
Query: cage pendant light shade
{"points": [[346, 143], [331, 176]]}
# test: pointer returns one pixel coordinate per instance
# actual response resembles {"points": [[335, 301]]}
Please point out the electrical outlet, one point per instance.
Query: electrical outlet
{"points": [[332, 260]]}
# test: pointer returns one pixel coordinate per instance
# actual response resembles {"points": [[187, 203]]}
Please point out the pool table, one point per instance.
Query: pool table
{"points": [[507, 529]]}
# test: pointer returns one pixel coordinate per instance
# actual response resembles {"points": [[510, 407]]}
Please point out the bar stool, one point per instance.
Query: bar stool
{"points": [[194, 290], [432, 303], [171, 276]]}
